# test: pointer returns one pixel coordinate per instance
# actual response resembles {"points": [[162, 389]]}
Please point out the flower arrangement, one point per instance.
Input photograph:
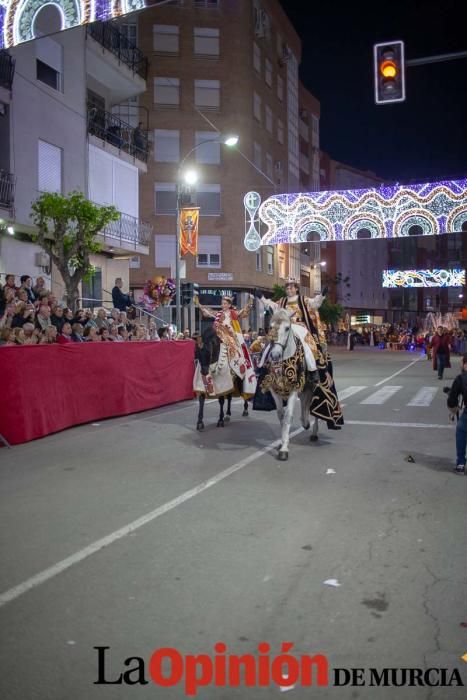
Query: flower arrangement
{"points": [[158, 292]]}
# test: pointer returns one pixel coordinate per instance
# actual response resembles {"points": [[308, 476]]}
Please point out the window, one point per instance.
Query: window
{"points": [[269, 165], [259, 261], [270, 259], [207, 94], [165, 38], [135, 262], [49, 174], [167, 92], [257, 106], [256, 58], [257, 156], [280, 131], [206, 41], [166, 145], [280, 88], [49, 62], [268, 73], [208, 198], [208, 4], [165, 197], [268, 111], [130, 31], [209, 153], [164, 250], [209, 251]]}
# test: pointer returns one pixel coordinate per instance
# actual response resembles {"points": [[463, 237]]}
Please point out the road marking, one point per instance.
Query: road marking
{"points": [[350, 391], [383, 381], [399, 425], [96, 546], [424, 396], [382, 395]]}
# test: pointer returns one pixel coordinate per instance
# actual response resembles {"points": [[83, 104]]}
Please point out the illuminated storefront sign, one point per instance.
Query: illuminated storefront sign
{"points": [[423, 278], [394, 211], [18, 17]]}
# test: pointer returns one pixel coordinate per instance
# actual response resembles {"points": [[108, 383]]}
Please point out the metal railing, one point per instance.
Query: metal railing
{"points": [[7, 69], [117, 43], [7, 189], [108, 127], [128, 229]]}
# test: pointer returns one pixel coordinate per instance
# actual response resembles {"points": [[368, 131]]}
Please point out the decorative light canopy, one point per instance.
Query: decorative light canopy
{"points": [[423, 278], [394, 211], [17, 17]]}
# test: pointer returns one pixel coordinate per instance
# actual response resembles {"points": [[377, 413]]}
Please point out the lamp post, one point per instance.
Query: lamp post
{"points": [[188, 179]]}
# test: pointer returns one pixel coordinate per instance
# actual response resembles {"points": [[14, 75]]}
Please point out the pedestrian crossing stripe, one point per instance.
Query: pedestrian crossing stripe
{"points": [[422, 398]]}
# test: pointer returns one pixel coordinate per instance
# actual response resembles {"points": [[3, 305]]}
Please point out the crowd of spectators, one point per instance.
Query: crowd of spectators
{"points": [[398, 337], [31, 315]]}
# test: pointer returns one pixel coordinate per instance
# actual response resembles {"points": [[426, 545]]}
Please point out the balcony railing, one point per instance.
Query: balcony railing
{"points": [[128, 230], [117, 43], [7, 190], [108, 127], [7, 69]]}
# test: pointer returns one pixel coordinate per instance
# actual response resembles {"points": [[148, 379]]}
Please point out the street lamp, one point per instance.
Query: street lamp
{"points": [[190, 177]]}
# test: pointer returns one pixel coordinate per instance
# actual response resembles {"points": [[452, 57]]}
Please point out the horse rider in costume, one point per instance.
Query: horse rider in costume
{"points": [[227, 327], [308, 328]]}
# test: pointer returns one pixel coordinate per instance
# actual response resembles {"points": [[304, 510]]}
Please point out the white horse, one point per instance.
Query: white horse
{"points": [[291, 376]]}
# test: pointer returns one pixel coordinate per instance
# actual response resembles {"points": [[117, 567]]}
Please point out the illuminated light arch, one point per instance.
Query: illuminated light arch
{"points": [[457, 218], [318, 225], [360, 221], [416, 217], [17, 16], [387, 212]]}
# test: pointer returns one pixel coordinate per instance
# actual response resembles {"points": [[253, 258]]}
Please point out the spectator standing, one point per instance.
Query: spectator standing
{"points": [[120, 300], [26, 284], [459, 388], [39, 287], [10, 283], [440, 351]]}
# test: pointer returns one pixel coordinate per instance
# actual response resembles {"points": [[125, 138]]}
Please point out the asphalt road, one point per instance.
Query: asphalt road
{"points": [[140, 533]]}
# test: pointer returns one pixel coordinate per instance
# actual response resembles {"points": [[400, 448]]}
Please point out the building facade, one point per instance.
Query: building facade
{"points": [[219, 67], [58, 134]]}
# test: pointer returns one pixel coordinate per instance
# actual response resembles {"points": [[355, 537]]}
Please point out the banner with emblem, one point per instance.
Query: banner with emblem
{"points": [[189, 220]]}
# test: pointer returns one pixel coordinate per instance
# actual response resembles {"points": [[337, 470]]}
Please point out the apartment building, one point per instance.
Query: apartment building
{"points": [[218, 66], [58, 133]]}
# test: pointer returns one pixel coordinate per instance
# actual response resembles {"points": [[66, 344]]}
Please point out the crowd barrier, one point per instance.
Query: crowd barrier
{"points": [[47, 388]]}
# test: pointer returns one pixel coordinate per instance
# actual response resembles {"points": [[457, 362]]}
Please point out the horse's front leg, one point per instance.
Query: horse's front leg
{"points": [[228, 413], [305, 401], [279, 405], [245, 408], [314, 431], [220, 422], [201, 400], [286, 423]]}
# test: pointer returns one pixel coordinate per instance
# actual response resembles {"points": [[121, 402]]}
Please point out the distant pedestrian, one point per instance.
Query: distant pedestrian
{"points": [[441, 351], [120, 300]]}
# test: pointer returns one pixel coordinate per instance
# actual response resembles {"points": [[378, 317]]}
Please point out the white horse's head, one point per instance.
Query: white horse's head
{"points": [[281, 334]]}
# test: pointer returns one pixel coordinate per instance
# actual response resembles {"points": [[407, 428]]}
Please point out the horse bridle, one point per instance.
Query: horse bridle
{"points": [[282, 345]]}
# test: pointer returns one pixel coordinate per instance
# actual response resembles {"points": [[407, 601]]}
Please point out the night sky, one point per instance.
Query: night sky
{"points": [[424, 137]]}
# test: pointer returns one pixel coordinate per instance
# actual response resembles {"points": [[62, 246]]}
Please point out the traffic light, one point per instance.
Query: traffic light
{"points": [[389, 72], [188, 290]]}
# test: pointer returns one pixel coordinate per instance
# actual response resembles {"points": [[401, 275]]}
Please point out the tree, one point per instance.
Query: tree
{"points": [[66, 229], [278, 291], [330, 313]]}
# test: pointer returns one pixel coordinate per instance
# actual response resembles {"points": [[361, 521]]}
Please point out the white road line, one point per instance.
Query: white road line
{"points": [[382, 395], [399, 425], [94, 547], [383, 381], [424, 396], [349, 391]]}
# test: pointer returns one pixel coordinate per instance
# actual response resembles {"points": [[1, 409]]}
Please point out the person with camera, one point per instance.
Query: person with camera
{"points": [[459, 389]]}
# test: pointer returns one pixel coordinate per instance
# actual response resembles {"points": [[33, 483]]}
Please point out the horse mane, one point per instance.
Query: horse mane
{"points": [[209, 352], [280, 316]]}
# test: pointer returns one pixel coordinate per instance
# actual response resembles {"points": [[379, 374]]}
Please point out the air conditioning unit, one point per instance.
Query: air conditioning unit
{"points": [[42, 260]]}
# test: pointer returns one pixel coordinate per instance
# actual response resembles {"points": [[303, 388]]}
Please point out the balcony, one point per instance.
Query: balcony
{"points": [[7, 69], [7, 190], [115, 62], [128, 233], [109, 128]]}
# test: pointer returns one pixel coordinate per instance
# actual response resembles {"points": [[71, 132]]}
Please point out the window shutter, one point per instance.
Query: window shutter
{"points": [[50, 168]]}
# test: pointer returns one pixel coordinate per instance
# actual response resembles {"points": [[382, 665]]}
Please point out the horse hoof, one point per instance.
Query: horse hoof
{"points": [[200, 426], [220, 423], [283, 456], [245, 413], [313, 438], [306, 427]]}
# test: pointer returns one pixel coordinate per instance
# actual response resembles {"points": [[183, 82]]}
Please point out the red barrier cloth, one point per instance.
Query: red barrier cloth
{"points": [[46, 388]]}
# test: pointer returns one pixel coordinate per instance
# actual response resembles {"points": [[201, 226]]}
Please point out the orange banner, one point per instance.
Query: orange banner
{"points": [[189, 220]]}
